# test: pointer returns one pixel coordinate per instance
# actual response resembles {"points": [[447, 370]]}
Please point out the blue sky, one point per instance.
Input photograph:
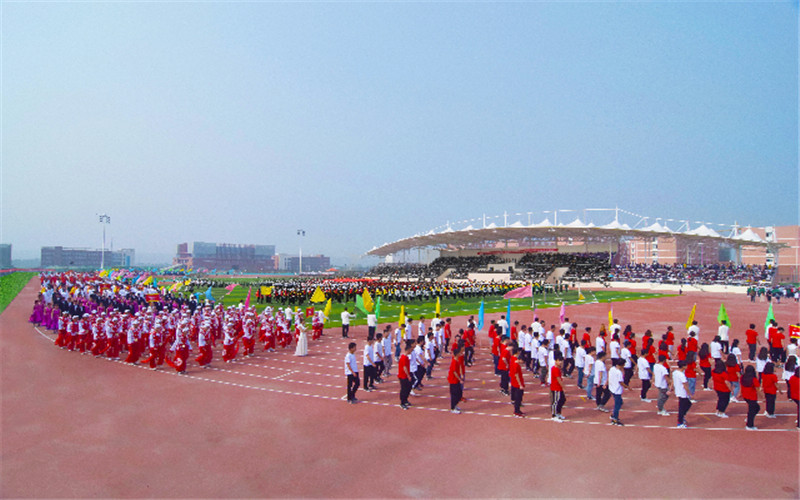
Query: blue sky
{"points": [[367, 122]]}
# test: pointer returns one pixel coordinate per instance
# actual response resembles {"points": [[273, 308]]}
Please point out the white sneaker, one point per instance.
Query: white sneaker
{"points": [[561, 417], [645, 400], [455, 410], [664, 413], [556, 419], [722, 415], [413, 393], [751, 428], [772, 416]]}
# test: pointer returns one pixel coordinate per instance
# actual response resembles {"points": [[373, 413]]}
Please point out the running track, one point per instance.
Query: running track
{"points": [[275, 425]]}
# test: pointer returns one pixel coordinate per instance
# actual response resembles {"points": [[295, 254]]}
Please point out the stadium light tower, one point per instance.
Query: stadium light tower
{"points": [[104, 220], [301, 233]]}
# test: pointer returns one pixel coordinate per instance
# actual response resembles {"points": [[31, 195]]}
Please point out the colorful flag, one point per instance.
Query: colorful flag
{"points": [[152, 297], [103, 273], [247, 300], [480, 316], [327, 310], [266, 291], [309, 311], [563, 313], [438, 305], [148, 280], [770, 317], [369, 304], [360, 304], [691, 316], [231, 287], [378, 308], [508, 315], [610, 316], [580, 295], [519, 293], [794, 331], [209, 297], [722, 315], [318, 296], [401, 320], [187, 282]]}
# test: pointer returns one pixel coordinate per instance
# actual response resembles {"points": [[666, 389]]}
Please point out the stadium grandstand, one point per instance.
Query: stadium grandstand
{"points": [[595, 245]]}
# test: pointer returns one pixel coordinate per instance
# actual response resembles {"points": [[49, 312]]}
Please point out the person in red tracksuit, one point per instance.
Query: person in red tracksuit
{"points": [[455, 378], [517, 381]]}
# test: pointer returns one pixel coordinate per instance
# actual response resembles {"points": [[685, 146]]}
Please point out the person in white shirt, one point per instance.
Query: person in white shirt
{"points": [[661, 382], [372, 325], [419, 362], [722, 332], [627, 357], [694, 328], [387, 349], [346, 317], [613, 347], [600, 342], [503, 325], [616, 383], [588, 371], [369, 367], [645, 374], [377, 358], [351, 371], [527, 341], [580, 362], [542, 360], [601, 382], [421, 330], [715, 348], [681, 387]]}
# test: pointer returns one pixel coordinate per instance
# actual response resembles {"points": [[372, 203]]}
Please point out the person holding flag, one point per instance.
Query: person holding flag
{"points": [[724, 328]]}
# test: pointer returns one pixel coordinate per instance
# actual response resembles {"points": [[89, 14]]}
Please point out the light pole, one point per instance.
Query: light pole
{"points": [[104, 220], [301, 233]]}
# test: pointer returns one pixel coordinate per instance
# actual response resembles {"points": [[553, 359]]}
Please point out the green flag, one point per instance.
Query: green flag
{"points": [[378, 308], [722, 315], [770, 317], [360, 304]]}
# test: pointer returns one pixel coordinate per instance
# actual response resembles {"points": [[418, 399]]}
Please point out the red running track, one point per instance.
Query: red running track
{"points": [[275, 425]]}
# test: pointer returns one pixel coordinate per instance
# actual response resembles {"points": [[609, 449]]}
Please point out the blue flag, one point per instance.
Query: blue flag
{"points": [[480, 317], [508, 318], [208, 295]]}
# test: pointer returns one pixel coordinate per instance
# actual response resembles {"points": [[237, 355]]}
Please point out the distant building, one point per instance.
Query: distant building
{"points": [[86, 258], [311, 263], [5, 256], [226, 256]]}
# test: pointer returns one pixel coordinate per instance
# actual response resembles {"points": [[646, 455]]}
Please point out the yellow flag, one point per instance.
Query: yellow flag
{"points": [[580, 294], [187, 282], [610, 317], [148, 280], [691, 316], [368, 302], [402, 319], [266, 290], [438, 306], [318, 296], [103, 273], [328, 307]]}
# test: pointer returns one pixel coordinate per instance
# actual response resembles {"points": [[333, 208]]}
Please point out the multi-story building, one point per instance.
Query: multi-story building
{"points": [[86, 257], [311, 263], [226, 256], [5, 256]]}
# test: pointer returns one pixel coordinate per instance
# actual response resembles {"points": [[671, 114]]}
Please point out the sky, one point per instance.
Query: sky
{"points": [[366, 122]]}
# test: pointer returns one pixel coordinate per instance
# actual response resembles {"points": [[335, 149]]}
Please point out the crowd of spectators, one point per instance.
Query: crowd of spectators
{"points": [[581, 266], [716, 274]]}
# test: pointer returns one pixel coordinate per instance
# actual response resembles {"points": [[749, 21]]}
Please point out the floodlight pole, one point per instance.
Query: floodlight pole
{"points": [[104, 220], [301, 233]]}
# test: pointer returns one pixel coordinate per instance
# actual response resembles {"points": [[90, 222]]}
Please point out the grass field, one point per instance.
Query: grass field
{"points": [[449, 307], [10, 285]]}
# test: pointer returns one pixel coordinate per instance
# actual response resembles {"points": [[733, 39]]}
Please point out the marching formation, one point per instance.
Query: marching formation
{"points": [[132, 323], [603, 366], [94, 316]]}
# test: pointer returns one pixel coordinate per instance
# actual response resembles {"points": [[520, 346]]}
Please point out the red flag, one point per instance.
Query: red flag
{"points": [[794, 331], [152, 297], [247, 302], [309, 312], [518, 293]]}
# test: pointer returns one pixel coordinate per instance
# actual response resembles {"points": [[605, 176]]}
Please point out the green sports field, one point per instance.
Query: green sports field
{"points": [[10, 285], [390, 311]]}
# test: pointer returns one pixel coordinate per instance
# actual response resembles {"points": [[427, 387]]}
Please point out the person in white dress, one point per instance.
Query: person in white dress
{"points": [[302, 341]]}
